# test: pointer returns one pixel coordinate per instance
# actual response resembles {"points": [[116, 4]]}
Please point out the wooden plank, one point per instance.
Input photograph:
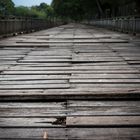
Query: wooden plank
{"points": [[96, 60], [32, 133], [109, 85], [77, 111], [124, 93], [103, 108], [134, 58], [50, 53], [38, 86], [71, 41], [103, 133], [29, 122], [3, 67], [102, 41], [8, 72], [31, 112], [3, 52], [43, 42], [92, 51], [104, 81], [33, 105], [79, 103], [32, 77], [53, 64], [32, 109], [104, 121], [44, 60], [33, 82], [70, 68], [105, 76], [9, 59], [46, 57], [102, 64], [103, 111], [34, 44]]}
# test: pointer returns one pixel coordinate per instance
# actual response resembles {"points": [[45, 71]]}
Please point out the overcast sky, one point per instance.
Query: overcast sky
{"points": [[30, 2]]}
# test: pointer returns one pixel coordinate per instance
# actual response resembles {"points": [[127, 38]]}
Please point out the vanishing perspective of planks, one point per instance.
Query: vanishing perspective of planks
{"points": [[73, 82]]}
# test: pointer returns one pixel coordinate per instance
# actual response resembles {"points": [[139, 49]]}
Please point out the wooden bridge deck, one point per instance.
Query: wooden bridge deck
{"points": [[72, 82]]}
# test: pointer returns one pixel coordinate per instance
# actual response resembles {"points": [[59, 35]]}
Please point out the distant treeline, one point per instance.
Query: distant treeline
{"points": [[87, 9], [43, 11], [73, 9]]}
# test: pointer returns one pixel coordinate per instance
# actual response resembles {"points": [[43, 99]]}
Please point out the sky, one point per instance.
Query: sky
{"points": [[30, 2]]}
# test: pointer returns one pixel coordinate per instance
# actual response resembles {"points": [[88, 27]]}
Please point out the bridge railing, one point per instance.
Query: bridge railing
{"points": [[19, 25], [127, 25]]}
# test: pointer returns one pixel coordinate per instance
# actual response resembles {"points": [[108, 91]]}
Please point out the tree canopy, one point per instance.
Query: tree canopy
{"points": [[84, 9], [73, 9], [6, 7], [43, 11]]}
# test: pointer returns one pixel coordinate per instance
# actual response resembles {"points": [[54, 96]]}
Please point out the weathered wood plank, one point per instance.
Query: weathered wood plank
{"points": [[70, 68], [79, 93], [70, 72], [103, 85], [45, 60], [104, 81], [32, 105], [104, 121], [103, 108], [105, 76], [33, 82], [32, 133], [79, 103], [46, 57], [104, 111], [29, 122], [36, 86], [104, 133], [53, 64], [32, 77], [31, 113]]}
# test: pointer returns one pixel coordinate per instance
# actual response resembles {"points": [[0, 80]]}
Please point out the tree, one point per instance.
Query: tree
{"points": [[87, 9], [6, 7], [131, 7], [66, 9], [78, 9], [138, 6], [100, 9], [45, 8], [23, 11]]}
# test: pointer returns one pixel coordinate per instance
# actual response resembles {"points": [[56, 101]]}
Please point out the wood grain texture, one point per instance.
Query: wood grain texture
{"points": [[104, 121], [73, 82]]}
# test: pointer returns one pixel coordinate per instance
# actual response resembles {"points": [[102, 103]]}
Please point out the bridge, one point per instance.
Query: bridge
{"points": [[71, 82]]}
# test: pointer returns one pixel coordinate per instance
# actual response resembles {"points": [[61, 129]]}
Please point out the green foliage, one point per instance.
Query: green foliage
{"points": [[68, 9], [72, 9], [127, 7], [22, 11], [87, 9], [6, 7], [43, 11], [29, 12], [75, 9]]}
